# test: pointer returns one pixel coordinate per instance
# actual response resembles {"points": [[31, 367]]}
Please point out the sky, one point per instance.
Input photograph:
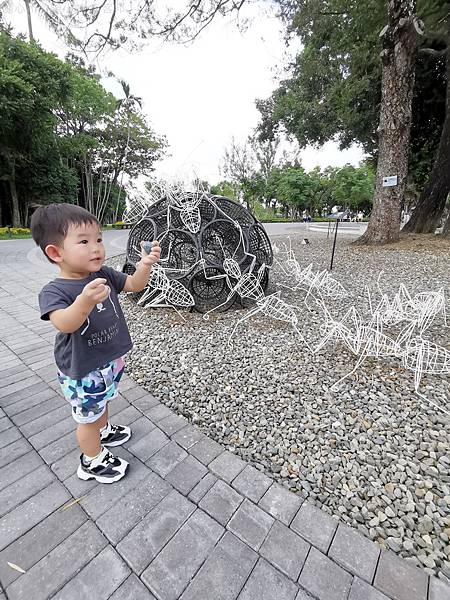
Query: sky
{"points": [[202, 95]]}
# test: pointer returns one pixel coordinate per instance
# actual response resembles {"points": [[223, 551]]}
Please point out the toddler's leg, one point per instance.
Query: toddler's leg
{"points": [[88, 435], [97, 462]]}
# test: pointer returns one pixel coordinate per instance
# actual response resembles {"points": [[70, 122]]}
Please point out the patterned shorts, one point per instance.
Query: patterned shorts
{"points": [[89, 395]]}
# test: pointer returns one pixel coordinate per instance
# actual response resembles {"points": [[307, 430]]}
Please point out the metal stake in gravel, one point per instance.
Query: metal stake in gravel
{"points": [[334, 244]]}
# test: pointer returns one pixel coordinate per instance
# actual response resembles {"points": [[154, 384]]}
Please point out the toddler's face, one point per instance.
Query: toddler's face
{"points": [[83, 249]]}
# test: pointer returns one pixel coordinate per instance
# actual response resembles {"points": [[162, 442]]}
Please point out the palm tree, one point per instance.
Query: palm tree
{"points": [[128, 103], [48, 14]]}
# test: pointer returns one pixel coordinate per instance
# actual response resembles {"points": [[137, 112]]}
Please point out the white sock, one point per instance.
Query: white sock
{"points": [[91, 458]]}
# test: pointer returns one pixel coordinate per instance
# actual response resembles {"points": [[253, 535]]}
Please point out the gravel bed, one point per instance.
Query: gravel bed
{"points": [[372, 452]]}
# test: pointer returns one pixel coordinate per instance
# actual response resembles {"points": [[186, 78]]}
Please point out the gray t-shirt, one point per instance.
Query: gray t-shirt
{"points": [[103, 337]]}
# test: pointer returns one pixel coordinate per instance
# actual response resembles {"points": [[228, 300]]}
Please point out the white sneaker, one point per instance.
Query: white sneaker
{"points": [[105, 467]]}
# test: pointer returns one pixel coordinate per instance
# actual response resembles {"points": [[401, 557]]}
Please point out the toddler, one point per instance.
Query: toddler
{"points": [[93, 338]]}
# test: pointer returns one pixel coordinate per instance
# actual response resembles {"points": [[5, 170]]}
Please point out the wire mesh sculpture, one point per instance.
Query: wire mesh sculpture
{"points": [[313, 282], [370, 340], [201, 236], [378, 336]]}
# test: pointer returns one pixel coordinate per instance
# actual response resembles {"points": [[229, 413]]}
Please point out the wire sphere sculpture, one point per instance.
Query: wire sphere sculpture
{"points": [[199, 233]]}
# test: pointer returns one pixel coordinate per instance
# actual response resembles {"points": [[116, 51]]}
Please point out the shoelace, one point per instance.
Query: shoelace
{"points": [[109, 457]]}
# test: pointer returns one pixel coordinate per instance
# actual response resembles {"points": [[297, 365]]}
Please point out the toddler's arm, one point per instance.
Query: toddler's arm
{"points": [[68, 320], [139, 279]]}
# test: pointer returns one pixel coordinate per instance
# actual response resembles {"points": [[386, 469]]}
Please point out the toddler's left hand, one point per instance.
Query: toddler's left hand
{"points": [[153, 257]]}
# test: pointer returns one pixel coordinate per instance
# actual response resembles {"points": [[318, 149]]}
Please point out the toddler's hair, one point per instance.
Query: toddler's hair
{"points": [[49, 224]]}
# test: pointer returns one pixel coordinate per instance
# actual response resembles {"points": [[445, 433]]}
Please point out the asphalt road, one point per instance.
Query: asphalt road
{"points": [[116, 241]]}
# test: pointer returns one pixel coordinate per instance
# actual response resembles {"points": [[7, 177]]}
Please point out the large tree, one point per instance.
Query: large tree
{"points": [[429, 209], [334, 87], [63, 137], [397, 83], [32, 84]]}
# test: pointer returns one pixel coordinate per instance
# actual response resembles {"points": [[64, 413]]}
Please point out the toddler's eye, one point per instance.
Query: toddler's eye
{"points": [[83, 242], [100, 240]]}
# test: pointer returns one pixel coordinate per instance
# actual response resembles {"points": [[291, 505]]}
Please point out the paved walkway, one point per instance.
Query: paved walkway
{"points": [[189, 521]]}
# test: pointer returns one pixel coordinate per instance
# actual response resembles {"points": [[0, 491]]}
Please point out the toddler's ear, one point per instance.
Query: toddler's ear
{"points": [[53, 252]]}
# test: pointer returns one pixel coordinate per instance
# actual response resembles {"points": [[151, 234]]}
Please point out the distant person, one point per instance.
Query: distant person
{"points": [[82, 304], [360, 216]]}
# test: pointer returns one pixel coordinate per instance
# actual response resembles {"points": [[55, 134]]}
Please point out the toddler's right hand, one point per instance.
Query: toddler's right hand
{"points": [[95, 291]]}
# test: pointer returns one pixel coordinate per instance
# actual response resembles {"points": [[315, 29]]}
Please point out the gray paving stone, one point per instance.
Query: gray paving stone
{"points": [[400, 580], [9, 436], [438, 589], [205, 450], [354, 552], [315, 526], [13, 377], [252, 483], [188, 436], [5, 423], [47, 373], [173, 568], [31, 512], [132, 507], [13, 391], [39, 541], [59, 448], [109, 563], [132, 589], [151, 534], [285, 549], [19, 370], [221, 502], [117, 405], [59, 566], [54, 402], [361, 590], [140, 428], [53, 433], [158, 412], [45, 420], [42, 362], [280, 503], [266, 583], [224, 573], [25, 393], [29, 401], [302, 595], [173, 423], [101, 497], [126, 416], [148, 445], [203, 486], [127, 383], [145, 403], [166, 459], [133, 393], [251, 524], [227, 466], [26, 487], [19, 468], [67, 465], [13, 451], [185, 476], [324, 578]]}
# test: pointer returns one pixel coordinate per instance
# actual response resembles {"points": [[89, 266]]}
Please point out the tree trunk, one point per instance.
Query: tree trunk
{"points": [[30, 26], [446, 230], [428, 212], [397, 82], [16, 221]]}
